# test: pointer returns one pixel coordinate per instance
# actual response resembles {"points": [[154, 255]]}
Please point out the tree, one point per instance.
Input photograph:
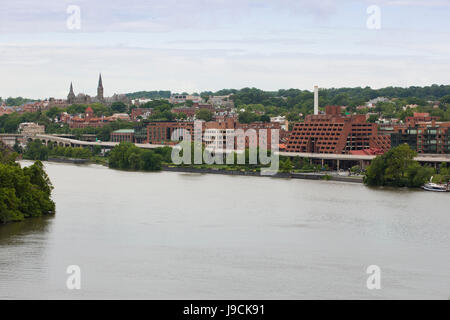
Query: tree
{"points": [[53, 112], [397, 167], [36, 150], [127, 156], [247, 117], [372, 118], [151, 161], [181, 116], [264, 118], [204, 114], [118, 107], [286, 165], [23, 192]]}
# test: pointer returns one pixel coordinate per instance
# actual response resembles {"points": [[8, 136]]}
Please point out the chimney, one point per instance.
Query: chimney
{"points": [[316, 100]]}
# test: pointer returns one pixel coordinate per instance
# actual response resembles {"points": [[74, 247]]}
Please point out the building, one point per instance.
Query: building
{"points": [[31, 128], [421, 117], [89, 120], [282, 121], [258, 127], [122, 135], [188, 111], [160, 132], [83, 98], [335, 133], [182, 98], [221, 101], [214, 133], [424, 137], [144, 113], [120, 116]]}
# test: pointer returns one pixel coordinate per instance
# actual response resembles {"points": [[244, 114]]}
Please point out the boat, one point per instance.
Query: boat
{"points": [[430, 186]]}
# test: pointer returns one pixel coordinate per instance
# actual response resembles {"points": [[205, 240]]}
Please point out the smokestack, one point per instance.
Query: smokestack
{"points": [[316, 100]]}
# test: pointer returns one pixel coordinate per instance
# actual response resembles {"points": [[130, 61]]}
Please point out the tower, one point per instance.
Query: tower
{"points": [[100, 88], [316, 100], [71, 95]]}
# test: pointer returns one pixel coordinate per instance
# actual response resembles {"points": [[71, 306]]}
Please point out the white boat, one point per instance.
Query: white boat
{"points": [[430, 186], [435, 187]]}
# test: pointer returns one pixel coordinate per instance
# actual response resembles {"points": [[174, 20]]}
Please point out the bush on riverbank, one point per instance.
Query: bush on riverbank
{"points": [[127, 156], [24, 192], [397, 168]]}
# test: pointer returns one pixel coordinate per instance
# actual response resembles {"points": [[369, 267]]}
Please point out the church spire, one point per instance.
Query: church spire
{"points": [[100, 88], [71, 96]]}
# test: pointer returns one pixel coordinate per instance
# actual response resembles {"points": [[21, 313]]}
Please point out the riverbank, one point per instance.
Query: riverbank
{"points": [[69, 160], [96, 160], [285, 175], [282, 175]]}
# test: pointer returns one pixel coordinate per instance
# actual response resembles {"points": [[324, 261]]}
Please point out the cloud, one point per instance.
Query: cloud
{"points": [[133, 69], [150, 15], [412, 3]]}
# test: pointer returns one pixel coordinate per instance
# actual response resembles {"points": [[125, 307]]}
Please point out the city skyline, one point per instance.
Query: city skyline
{"points": [[189, 46]]}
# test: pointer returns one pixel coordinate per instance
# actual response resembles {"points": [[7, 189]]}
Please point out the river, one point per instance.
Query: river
{"points": [[169, 235]]}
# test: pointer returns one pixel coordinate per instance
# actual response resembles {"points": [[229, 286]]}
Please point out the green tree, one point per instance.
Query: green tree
{"points": [[23, 192], [397, 167], [118, 107], [36, 150], [247, 117], [204, 114], [373, 118], [286, 165], [264, 118]]}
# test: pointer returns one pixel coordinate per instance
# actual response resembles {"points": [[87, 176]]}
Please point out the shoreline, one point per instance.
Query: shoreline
{"points": [[283, 175], [279, 175]]}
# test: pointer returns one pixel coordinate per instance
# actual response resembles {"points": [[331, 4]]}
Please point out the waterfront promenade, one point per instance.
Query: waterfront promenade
{"points": [[335, 161]]}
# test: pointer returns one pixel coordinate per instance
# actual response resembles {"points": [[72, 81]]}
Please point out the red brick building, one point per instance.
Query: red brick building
{"points": [[160, 132], [334, 133], [123, 135], [421, 117], [136, 112]]}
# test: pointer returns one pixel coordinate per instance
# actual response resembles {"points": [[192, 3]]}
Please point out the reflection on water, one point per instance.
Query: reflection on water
{"points": [[17, 233], [170, 235]]}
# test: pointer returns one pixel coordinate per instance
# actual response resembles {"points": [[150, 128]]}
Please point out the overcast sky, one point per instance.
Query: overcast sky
{"points": [[197, 45]]}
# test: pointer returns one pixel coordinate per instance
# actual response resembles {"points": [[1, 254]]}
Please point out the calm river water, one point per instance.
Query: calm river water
{"points": [[186, 236]]}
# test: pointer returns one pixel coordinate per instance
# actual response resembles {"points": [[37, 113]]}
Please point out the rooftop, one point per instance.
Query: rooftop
{"points": [[124, 131]]}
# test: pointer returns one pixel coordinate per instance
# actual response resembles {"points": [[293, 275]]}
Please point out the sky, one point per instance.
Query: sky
{"points": [[198, 45]]}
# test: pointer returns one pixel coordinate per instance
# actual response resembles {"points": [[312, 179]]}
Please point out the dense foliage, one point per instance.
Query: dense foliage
{"points": [[36, 150], [127, 156], [398, 168], [149, 94], [204, 114], [15, 101], [24, 192]]}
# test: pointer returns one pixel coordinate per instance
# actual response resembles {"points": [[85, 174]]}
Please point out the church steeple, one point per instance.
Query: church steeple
{"points": [[71, 95], [100, 88]]}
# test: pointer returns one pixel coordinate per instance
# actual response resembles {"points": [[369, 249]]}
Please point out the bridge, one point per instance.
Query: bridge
{"points": [[68, 142], [345, 161]]}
